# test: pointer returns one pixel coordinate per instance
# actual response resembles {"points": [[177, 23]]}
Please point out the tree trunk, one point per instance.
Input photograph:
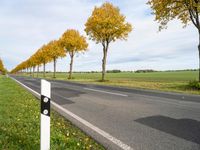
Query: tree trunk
{"points": [[30, 71], [37, 70], [71, 64], [33, 70], [105, 50], [54, 73], [44, 71]]}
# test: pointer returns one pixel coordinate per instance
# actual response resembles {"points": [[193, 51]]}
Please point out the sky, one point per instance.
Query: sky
{"points": [[26, 25]]}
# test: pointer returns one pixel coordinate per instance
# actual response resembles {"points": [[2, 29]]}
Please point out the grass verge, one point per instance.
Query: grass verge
{"points": [[20, 123], [174, 81]]}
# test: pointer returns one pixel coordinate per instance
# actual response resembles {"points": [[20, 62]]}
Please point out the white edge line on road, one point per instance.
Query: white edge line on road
{"points": [[105, 92], [86, 123]]}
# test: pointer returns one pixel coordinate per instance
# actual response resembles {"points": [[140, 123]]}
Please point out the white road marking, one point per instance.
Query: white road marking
{"points": [[84, 122], [95, 90], [61, 96], [188, 102]]}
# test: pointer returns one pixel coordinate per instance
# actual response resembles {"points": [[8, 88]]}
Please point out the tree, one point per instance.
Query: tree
{"points": [[44, 57], [1, 65], [28, 62], [184, 10], [33, 63], [55, 51], [2, 69], [73, 43], [106, 25], [38, 61]]}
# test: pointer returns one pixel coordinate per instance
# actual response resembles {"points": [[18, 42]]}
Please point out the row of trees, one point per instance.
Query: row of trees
{"points": [[2, 68], [105, 25], [70, 43]]}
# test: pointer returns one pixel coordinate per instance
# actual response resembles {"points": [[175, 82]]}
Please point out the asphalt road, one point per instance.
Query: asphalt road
{"points": [[141, 119]]}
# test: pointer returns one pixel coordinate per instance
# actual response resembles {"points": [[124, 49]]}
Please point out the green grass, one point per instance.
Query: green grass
{"points": [[20, 120], [176, 81]]}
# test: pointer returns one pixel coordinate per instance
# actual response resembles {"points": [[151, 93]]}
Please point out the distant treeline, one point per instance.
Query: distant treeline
{"points": [[145, 71], [151, 70], [181, 70]]}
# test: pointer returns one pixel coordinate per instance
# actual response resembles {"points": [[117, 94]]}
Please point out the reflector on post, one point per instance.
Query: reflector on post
{"points": [[45, 115]]}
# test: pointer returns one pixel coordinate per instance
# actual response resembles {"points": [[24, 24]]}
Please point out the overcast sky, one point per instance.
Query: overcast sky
{"points": [[26, 25]]}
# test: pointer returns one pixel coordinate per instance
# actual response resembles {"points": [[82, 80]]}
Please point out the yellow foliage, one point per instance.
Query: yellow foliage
{"points": [[1, 65], [72, 41], [184, 10], [43, 54], [55, 50], [107, 24], [2, 69]]}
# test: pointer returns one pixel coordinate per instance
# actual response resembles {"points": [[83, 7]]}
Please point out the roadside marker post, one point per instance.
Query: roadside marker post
{"points": [[45, 115]]}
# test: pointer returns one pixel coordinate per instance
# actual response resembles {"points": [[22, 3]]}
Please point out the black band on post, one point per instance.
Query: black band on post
{"points": [[45, 105]]}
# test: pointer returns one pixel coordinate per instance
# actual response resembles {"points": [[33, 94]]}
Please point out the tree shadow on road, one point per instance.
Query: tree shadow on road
{"points": [[187, 129]]}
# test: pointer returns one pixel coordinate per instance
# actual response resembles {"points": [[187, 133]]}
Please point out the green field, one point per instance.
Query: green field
{"points": [[20, 119], [176, 81]]}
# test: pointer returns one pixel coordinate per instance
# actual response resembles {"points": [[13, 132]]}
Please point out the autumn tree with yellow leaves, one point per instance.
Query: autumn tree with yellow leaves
{"points": [[1, 65], [55, 52], [73, 43], [184, 10], [38, 61], [33, 63], [44, 57], [29, 66], [106, 25], [2, 69]]}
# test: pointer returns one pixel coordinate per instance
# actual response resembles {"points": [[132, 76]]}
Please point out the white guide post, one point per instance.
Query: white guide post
{"points": [[45, 115]]}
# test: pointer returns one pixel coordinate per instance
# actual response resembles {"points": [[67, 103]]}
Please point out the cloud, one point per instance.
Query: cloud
{"points": [[27, 25]]}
